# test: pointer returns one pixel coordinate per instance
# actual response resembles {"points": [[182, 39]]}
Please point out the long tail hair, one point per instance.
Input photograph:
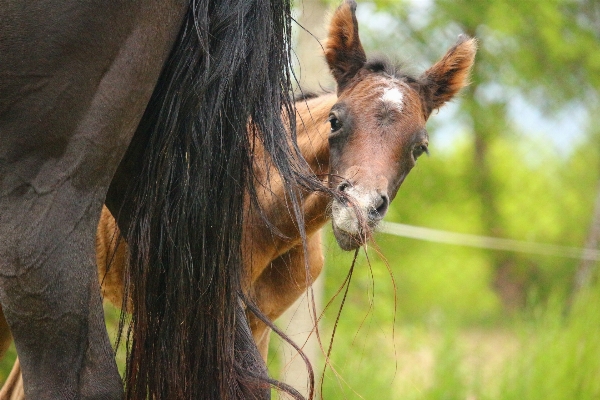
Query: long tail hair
{"points": [[229, 66]]}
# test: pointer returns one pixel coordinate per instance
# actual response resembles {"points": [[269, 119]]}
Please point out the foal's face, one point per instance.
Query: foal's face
{"points": [[378, 124], [377, 134]]}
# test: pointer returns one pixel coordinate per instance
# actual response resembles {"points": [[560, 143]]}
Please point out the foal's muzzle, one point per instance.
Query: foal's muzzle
{"points": [[356, 215]]}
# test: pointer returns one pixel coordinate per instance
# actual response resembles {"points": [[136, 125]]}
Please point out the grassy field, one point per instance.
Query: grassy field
{"points": [[544, 353], [547, 351], [550, 349]]}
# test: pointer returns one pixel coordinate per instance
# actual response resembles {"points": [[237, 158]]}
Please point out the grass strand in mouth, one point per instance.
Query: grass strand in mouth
{"points": [[345, 284]]}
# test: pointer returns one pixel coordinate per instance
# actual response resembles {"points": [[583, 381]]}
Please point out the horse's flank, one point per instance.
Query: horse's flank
{"points": [[75, 78], [261, 244]]}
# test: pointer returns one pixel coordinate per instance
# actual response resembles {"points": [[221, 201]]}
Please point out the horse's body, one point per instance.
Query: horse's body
{"points": [[67, 114], [79, 81]]}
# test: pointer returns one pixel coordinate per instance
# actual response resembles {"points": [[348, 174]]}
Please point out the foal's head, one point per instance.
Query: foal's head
{"points": [[378, 124]]}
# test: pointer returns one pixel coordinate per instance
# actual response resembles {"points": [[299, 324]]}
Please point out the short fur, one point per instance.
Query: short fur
{"points": [[343, 50]]}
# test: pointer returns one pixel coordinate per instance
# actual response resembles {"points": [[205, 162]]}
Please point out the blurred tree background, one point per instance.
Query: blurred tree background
{"points": [[516, 156]]}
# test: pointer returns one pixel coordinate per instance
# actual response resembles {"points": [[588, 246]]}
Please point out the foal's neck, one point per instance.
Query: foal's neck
{"points": [[313, 140], [313, 132]]}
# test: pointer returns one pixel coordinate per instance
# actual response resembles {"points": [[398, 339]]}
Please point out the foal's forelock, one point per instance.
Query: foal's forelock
{"points": [[384, 109]]}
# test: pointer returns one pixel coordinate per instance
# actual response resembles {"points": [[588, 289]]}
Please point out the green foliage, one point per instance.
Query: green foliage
{"points": [[560, 354], [7, 362], [503, 175], [527, 45]]}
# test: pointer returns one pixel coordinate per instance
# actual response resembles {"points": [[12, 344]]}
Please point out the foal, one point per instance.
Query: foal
{"points": [[362, 142]]}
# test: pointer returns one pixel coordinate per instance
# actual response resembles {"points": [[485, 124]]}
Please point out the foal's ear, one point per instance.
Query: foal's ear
{"points": [[450, 74], [343, 51]]}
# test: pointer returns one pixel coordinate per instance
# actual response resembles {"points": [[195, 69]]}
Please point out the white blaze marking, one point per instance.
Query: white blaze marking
{"points": [[394, 97]]}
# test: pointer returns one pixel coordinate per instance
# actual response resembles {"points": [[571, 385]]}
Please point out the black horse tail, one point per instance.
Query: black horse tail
{"points": [[189, 165]]}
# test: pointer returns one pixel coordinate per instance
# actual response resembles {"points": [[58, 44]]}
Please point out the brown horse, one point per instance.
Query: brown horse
{"points": [[362, 141]]}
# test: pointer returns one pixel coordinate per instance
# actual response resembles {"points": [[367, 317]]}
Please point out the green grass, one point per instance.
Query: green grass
{"points": [[7, 362], [545, 352], [560, 356]]}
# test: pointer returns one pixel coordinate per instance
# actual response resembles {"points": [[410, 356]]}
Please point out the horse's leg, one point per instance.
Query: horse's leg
{"points": [[5, 335], [75, 78], [281, 284], [111, 258], [111, 251], [53, 305], [13, 387]]}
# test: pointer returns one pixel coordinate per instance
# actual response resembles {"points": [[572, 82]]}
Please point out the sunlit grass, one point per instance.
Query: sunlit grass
{"points": [[7, 362], [547, 351], [560, 353]]}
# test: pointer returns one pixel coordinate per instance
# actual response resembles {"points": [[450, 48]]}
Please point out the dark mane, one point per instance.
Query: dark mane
{"points": [[183, 211]]}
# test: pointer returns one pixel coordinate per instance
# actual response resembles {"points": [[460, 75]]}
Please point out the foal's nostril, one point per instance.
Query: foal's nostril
{"points": [[343, 186], [380, 208]]}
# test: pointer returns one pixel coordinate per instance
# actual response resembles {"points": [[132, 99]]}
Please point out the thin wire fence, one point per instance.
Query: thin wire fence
{"points": [[487, 242]]}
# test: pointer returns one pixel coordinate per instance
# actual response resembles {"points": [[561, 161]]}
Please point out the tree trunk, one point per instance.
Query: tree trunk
{"points": [[510, 278], [313, 74], [586, 269], [311, 69]]}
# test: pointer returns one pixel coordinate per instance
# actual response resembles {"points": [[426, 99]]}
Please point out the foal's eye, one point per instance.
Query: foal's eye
{"points": [[419, 150], [335, 123]]}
